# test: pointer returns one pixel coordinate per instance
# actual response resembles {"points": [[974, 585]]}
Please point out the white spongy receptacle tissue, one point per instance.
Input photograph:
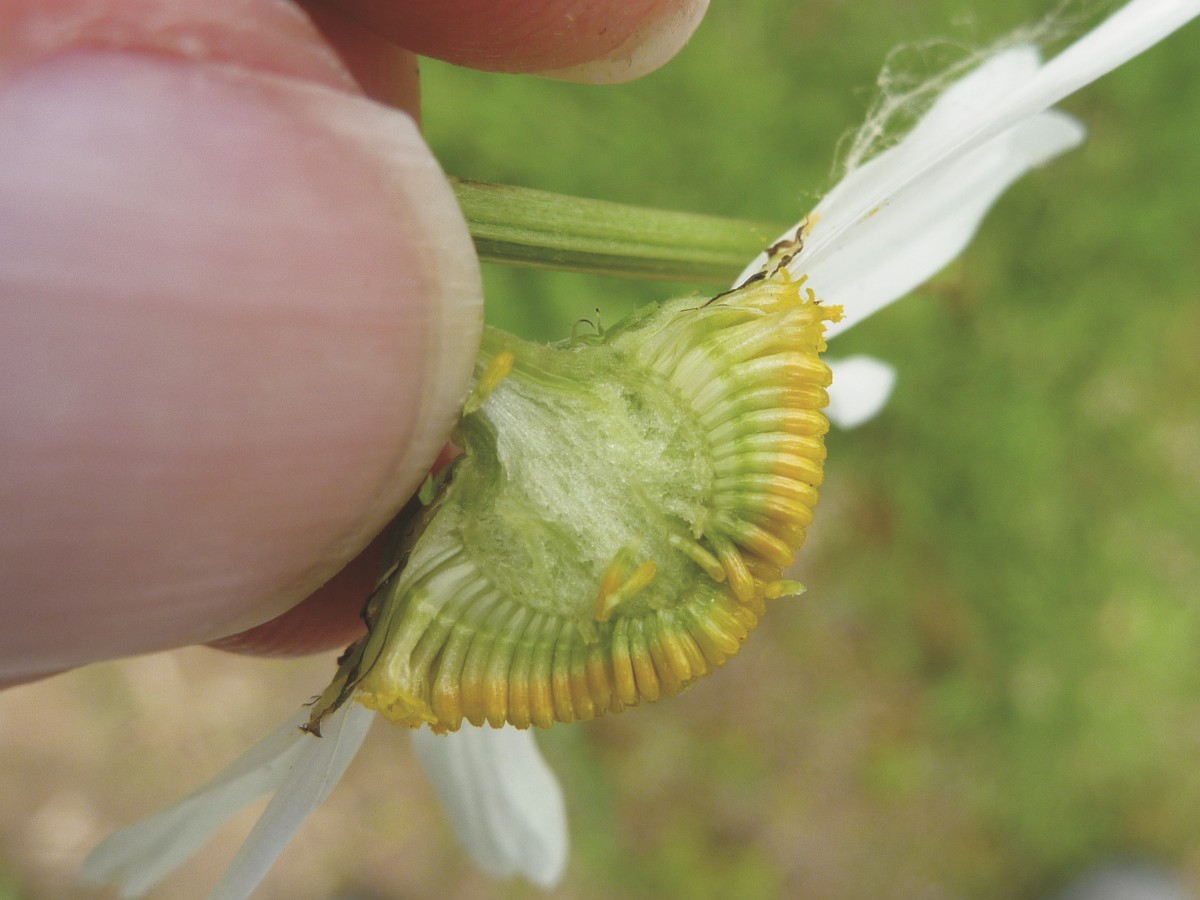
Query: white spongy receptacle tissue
{"points": [[595, 468]]}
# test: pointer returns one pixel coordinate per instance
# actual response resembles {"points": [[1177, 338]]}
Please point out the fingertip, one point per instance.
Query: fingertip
{"points": [[245, 362], [334, 615], [327, 619]]}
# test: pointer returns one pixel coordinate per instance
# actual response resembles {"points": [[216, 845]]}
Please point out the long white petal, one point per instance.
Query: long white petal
{"points": [[1003, 92], [860, 390], [140, 856], [929, 222], [868, 188], [311, 777], [1128, 32], [875, 235], [502, 799]]}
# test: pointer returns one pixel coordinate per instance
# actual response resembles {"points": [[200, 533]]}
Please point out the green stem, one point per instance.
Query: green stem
{"points": [[524, 227]]}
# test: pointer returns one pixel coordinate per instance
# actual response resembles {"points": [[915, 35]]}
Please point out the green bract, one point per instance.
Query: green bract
{"points": [[624, 504]]}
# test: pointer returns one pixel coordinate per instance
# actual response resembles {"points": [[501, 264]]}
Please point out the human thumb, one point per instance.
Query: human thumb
{"points": [[238, 311]]}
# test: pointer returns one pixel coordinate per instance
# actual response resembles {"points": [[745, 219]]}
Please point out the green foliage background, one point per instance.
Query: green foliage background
{"points": [[991, 684]]}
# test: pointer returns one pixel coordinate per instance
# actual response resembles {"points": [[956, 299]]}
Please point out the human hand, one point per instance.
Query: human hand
{"points": [[238, 304]]}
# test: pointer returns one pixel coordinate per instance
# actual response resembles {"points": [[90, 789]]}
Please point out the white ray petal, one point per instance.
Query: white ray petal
{"points": [[309, 780], [1128, 32], [1001, 93], [928, 223], [869, 243], [860, 390], [139, 856], [502, 799], [869, 186]]}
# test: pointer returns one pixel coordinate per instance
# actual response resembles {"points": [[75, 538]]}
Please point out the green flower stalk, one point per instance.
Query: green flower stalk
{"points": [[624, 505]]}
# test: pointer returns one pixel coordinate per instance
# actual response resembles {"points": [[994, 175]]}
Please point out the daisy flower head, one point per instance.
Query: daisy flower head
{"points": [[628, 501]]}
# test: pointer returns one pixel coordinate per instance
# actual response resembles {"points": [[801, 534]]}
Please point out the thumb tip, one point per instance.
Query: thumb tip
{"points": [[246, 363]]}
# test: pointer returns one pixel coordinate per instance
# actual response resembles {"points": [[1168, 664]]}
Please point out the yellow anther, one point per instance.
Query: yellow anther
{"points": [[610, 583], [641, 578], [785, 588], [710, 564], [763, 543], [616, 586], [581, 694], [676, 655], [495, 372], [740, 580], [624, 683], [600, 677], [644, 673]]}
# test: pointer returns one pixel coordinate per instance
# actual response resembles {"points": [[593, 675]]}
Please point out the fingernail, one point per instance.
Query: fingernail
{"points": [[647, 48]]}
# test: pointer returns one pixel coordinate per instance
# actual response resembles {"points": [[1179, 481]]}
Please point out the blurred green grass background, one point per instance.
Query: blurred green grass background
{"points": [[991, 684]]}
